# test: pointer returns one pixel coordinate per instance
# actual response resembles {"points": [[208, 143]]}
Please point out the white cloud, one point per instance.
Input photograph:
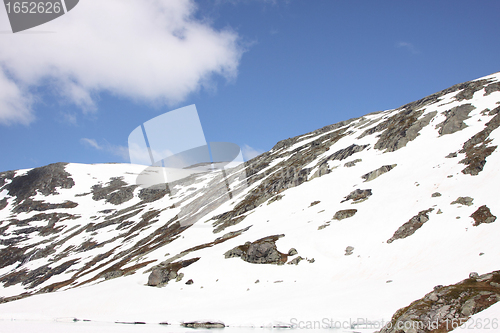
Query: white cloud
{"points": [[15, 105], [150, 51], [91, 143], [120, 151], [249, 152], [409, 46]]}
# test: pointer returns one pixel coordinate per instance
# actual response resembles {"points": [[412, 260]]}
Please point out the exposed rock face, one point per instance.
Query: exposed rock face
{"points": [[483, 215], [152, 194], [348, 250], [376, 173], [3, 203], [492, 88], [402, 128], [6, 175], [162, 274], [447, 308], [262, 251], [476, 149], [44, 180], [30, 205], [467, 201], [352, 163], [117, 192], [411, 226], [344, 214], [358, 195], [455, 119], [295, 261]]}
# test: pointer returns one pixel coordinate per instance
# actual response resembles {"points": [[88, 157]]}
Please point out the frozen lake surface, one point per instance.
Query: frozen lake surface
{"points": [[102, 327]]}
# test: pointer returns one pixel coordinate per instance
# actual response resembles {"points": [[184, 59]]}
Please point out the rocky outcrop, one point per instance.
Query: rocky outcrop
{"points": [[44, 180], [358, 195], [163, 273], [30, 205], [466, 201], [261, 251], [344, 214], [115, 192], [3, 203], [483, 215], [477, 148], [455, 117], [402, 128], [447, 308], [376, 173], [152, 194], [348, 250], [352, 163], [409, 228]]}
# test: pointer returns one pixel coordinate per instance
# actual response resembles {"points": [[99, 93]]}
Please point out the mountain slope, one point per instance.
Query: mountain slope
{"points": [[354, 220]]}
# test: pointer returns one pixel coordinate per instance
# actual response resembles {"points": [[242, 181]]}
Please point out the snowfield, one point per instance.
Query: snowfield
{"points": [[107, 281]]}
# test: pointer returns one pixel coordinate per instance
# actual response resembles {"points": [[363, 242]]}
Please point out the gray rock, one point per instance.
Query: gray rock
{"points": [[467, 201], [483, 215], [376, 173], [411, 226], [352, 163], [161, 274], [358, 195], [451, 155], [491, 88], [473, 275], [292, 252], [348, 250], [45, 180], [455, 117], [261, 251], [477, 148], [295, 261], [344, 214], [435, 194], [115, 192]]}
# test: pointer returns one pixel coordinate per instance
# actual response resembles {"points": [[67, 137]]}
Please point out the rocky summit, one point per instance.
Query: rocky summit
{"points": [[391, 217]]}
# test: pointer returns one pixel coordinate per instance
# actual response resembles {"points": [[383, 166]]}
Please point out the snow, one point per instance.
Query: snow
{"points": [[372, 283]]}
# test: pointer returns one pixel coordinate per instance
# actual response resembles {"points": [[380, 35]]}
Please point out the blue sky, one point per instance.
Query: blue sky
{"points": [[258, 71]]}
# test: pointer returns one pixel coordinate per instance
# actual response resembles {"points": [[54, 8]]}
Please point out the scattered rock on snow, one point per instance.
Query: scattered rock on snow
{"points": [[358, 195], [483, 215], [344, 214], [352, 163], [467, 201], [261, 251], [376, 173], [411, 226], [161, 274]]}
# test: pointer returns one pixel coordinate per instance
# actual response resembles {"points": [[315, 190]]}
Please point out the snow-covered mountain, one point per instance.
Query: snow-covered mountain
{"points": [[354, 220]]}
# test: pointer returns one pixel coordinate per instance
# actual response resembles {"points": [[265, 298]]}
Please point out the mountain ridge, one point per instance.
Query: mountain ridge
{"points": [[362, 201]]}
